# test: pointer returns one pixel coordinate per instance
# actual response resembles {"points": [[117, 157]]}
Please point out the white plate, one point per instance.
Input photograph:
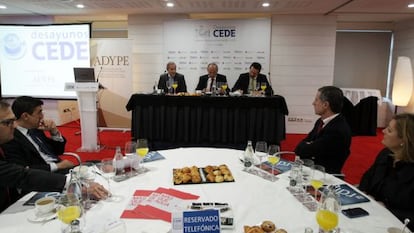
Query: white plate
{"points": [[33, 217]]}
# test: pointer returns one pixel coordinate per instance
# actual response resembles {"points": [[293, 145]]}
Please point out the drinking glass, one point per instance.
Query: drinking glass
{"points": [[224, 87], [142, 150], [307, 168], [318, 178], [263, 86], [261, 151], [130, 153], [86, 179], [175, 85], [107, 168], [273, 157], [327, 214], [69, 208], [169, 87]]}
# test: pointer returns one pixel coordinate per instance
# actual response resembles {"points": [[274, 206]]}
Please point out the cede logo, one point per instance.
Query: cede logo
{"points": [[215, 32], [13, 47]]}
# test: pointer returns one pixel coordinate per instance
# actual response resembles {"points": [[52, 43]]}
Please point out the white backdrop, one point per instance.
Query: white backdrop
{"points": [[232, 44]]}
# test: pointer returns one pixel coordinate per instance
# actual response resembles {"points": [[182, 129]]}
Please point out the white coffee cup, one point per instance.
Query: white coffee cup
{"points": [[45, 205]]}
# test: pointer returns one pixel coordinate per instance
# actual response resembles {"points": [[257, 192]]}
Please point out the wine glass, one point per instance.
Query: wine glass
{"points": [[261, 151], [142, 150], [327, 214], [263, 86], [107, 168], [130, 153], [169, 86], [224, 87], [69, 208], [273, 157], [175, 85], [318, 178]]}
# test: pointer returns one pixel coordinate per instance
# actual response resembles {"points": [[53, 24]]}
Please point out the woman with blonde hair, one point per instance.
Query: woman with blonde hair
{"points": [[390, 180]]}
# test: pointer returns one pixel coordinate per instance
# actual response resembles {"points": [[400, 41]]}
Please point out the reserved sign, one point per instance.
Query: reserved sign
{"points": [[196, 221]]}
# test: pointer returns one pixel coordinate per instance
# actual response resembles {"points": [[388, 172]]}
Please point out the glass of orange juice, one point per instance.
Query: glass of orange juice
{"points": [[142, 150], [318, 178]]}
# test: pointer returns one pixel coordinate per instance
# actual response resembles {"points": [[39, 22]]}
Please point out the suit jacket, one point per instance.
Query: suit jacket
{"points": [[394, 186], [21, 151], [179, 78], [330, 147], [13, 176], [242, 83], [202, 82]]}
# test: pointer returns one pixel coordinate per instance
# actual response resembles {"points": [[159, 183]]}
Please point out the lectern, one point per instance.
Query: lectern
{"points": [[86, 92]]}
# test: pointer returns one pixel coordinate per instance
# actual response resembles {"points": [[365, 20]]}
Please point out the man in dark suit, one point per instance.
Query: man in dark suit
{"points": [[206, 82], [30, 146], [14, 176], [328, 143], [250, 82], [167, 79]]}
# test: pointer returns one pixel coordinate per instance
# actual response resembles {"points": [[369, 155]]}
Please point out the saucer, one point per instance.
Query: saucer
{"points": [[34, 217]]}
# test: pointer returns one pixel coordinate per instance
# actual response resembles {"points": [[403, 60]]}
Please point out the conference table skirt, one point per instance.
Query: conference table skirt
{"points": [[198, 120], [252, 198]]}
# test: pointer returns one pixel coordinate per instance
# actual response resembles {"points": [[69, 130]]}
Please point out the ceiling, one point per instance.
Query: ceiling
{"points": [[345, 10]]}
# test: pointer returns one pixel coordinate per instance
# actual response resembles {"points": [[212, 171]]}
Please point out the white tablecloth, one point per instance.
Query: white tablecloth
{"points": [[253, 199], [356, 94]]}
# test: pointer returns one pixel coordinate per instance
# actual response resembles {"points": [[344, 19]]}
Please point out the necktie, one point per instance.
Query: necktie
{"points": [[42, 145], [320, 126], [211, 84]]}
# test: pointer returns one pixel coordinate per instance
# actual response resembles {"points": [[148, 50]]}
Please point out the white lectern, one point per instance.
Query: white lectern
{"points": [[86, 92]]}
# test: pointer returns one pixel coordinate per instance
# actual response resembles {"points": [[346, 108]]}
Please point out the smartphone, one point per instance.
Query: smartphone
{"points": [[355, 212]]}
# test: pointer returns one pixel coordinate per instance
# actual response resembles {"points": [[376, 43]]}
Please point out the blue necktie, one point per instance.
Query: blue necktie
{"points": [[42, 145]]}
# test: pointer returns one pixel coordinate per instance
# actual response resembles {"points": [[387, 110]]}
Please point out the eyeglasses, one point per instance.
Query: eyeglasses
{"points": [[8, 122]]}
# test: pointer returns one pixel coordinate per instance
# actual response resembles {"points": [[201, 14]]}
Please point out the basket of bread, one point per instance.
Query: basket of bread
{"points": [[199, 175], [265, 227]]}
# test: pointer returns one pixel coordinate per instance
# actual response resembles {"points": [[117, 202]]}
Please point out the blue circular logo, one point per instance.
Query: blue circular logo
{"points": [[13, 47]]}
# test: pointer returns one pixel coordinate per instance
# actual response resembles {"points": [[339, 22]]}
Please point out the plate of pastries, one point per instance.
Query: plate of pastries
{"points": [[266, 226], [201, 175]]}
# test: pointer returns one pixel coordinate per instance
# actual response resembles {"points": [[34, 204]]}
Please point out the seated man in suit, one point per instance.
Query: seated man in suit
{"points": [[30, 146], [251, 81], [14, 176], [206, 82], [167, 79], [328, 143]]}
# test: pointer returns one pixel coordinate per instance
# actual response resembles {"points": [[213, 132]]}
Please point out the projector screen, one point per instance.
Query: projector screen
{"points": [[37, 60]]}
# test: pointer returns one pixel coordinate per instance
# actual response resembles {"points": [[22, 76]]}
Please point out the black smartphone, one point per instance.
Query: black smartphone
{"points": [[355, 212]]}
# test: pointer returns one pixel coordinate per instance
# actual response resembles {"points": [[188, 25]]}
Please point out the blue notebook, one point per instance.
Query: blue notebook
{"points": [[281, 167], [349, 195]]}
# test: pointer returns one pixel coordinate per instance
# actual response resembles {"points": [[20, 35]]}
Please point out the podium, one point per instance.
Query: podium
{"points": [[86, 92]]}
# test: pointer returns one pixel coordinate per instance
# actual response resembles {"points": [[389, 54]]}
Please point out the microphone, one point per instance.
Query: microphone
{"points": [[100, 86]]}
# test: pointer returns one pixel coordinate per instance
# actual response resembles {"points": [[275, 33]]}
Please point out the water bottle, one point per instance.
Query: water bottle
{"points": [[248, 155], [74, 186], [119, 163]]}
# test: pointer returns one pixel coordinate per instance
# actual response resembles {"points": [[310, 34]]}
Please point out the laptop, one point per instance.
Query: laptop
{"points": [[84, 74]]}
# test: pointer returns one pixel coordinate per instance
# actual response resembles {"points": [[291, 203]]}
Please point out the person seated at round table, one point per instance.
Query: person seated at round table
{"points": [[250, 82], [390, 179], [210, 80], [170, 77]]}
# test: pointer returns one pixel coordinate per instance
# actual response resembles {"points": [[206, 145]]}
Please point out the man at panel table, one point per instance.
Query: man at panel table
{"points": [[390, 180], [169, 77], [13, 176], [207, 81], [328, 143]]}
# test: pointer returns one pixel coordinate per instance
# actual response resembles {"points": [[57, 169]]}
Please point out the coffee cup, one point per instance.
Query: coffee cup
{"points": [[45, 205]]}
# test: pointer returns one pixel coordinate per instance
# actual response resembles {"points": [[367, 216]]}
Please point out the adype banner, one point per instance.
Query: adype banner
{"points": [[232, 44]]}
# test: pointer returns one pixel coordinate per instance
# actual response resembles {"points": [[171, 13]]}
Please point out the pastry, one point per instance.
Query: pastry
{"points": [[281, 230], [254, 229], [268, 226], [196, 179], [219, 179], [186, 178], [228, 178], [211, 177]]}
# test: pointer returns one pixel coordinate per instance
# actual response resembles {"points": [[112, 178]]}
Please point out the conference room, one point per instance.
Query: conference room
{"points": [[354, 45]]}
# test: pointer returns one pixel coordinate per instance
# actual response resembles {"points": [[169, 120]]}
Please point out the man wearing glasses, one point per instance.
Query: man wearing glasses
{"points": [[13, 176], [30, 146]]}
